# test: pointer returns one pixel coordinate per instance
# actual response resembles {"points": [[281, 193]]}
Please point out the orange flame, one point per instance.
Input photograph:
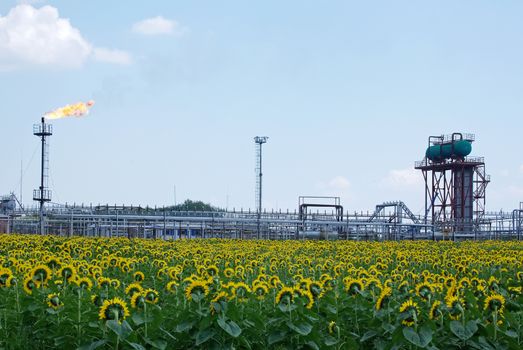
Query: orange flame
{"points": [[79, 109]]}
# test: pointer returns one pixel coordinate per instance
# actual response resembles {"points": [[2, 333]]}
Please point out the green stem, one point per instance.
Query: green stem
{"points": [[356, 317], [117, 335], [495, 318], [145, 314], [79, 317]]}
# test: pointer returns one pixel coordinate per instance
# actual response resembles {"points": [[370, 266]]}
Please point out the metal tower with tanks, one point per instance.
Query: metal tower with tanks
{"points": [[455, 185]]}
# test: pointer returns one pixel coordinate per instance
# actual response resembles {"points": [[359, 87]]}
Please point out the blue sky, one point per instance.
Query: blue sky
{"points": [[347, 92]]}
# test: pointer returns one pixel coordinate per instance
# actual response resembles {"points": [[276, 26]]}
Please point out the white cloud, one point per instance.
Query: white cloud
{"points": [[157, 26], [521, 169], [337, 186], [39, 37], [112, 56], [516, 190], [339, 183], [30, 2], [403, 179]]}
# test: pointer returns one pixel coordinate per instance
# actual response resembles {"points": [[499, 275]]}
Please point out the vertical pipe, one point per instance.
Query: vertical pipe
{"points": [[259, 191], [42, 231]]}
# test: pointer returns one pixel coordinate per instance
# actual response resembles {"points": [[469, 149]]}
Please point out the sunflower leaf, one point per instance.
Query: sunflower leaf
{"points": [[93, 345], [157, 344], [311, 344], [425, 336], [368, 335], [185, 326], [276, 337], [330, 341], [463, 333], [303, 328], [122, 330], [138, 319], [230, 327], [204, 335], [411, 335], [136, 346]]}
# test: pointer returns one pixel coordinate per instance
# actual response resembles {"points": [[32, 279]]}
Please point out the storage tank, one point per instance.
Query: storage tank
{"points": [[456, 149]]}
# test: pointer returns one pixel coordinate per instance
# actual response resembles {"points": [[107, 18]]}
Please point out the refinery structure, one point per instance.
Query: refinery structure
{"points": [[455, 207]]}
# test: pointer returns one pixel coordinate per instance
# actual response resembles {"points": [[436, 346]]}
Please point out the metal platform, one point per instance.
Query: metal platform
{"points": [[390, 221]]}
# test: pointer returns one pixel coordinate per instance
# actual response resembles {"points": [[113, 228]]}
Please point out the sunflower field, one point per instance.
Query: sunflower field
{"points": [[94, 293]]}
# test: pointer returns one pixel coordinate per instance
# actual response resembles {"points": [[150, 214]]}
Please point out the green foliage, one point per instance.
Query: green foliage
{"points": [[339, 318], [190, 205]]}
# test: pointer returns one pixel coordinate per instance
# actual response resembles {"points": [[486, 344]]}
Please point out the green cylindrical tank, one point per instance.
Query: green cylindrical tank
{"points": [[456, 149]]}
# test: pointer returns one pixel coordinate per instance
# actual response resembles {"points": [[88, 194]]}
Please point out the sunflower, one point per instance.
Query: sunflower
{"points": [[324, 277], [274, 281], [172, 286], [151, 296], [114, 309], [410, 311], [331, 327], [173, 273], [450, 282], [217, 300], [383, 298], [67, 273], [241, 291], [137, 300], [30, 285], [455, 306], [11, 281], [53, 300], [239, 272], [285, 295], [115, 283], [373, 284], [221, 296], [262, 277], [316, 289], [495, 303], [228, 272], [435, 311], [306, 295], [493, 283], [353, 286], [212, 270], [5, 274], [404, 287], [97, 300], [424, 290], [84, 283], [139, 276], [196, 287], [133, 288], [464, 283], [41, 274], [499, 317], [260, 290], [104, 282], [53, 263]]}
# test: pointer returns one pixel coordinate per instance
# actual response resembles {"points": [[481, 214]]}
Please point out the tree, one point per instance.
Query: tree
{"points": [[190, 205]]}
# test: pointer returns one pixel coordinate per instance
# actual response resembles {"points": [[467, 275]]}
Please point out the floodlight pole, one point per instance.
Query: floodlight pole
{"points": [[259, 140]]}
